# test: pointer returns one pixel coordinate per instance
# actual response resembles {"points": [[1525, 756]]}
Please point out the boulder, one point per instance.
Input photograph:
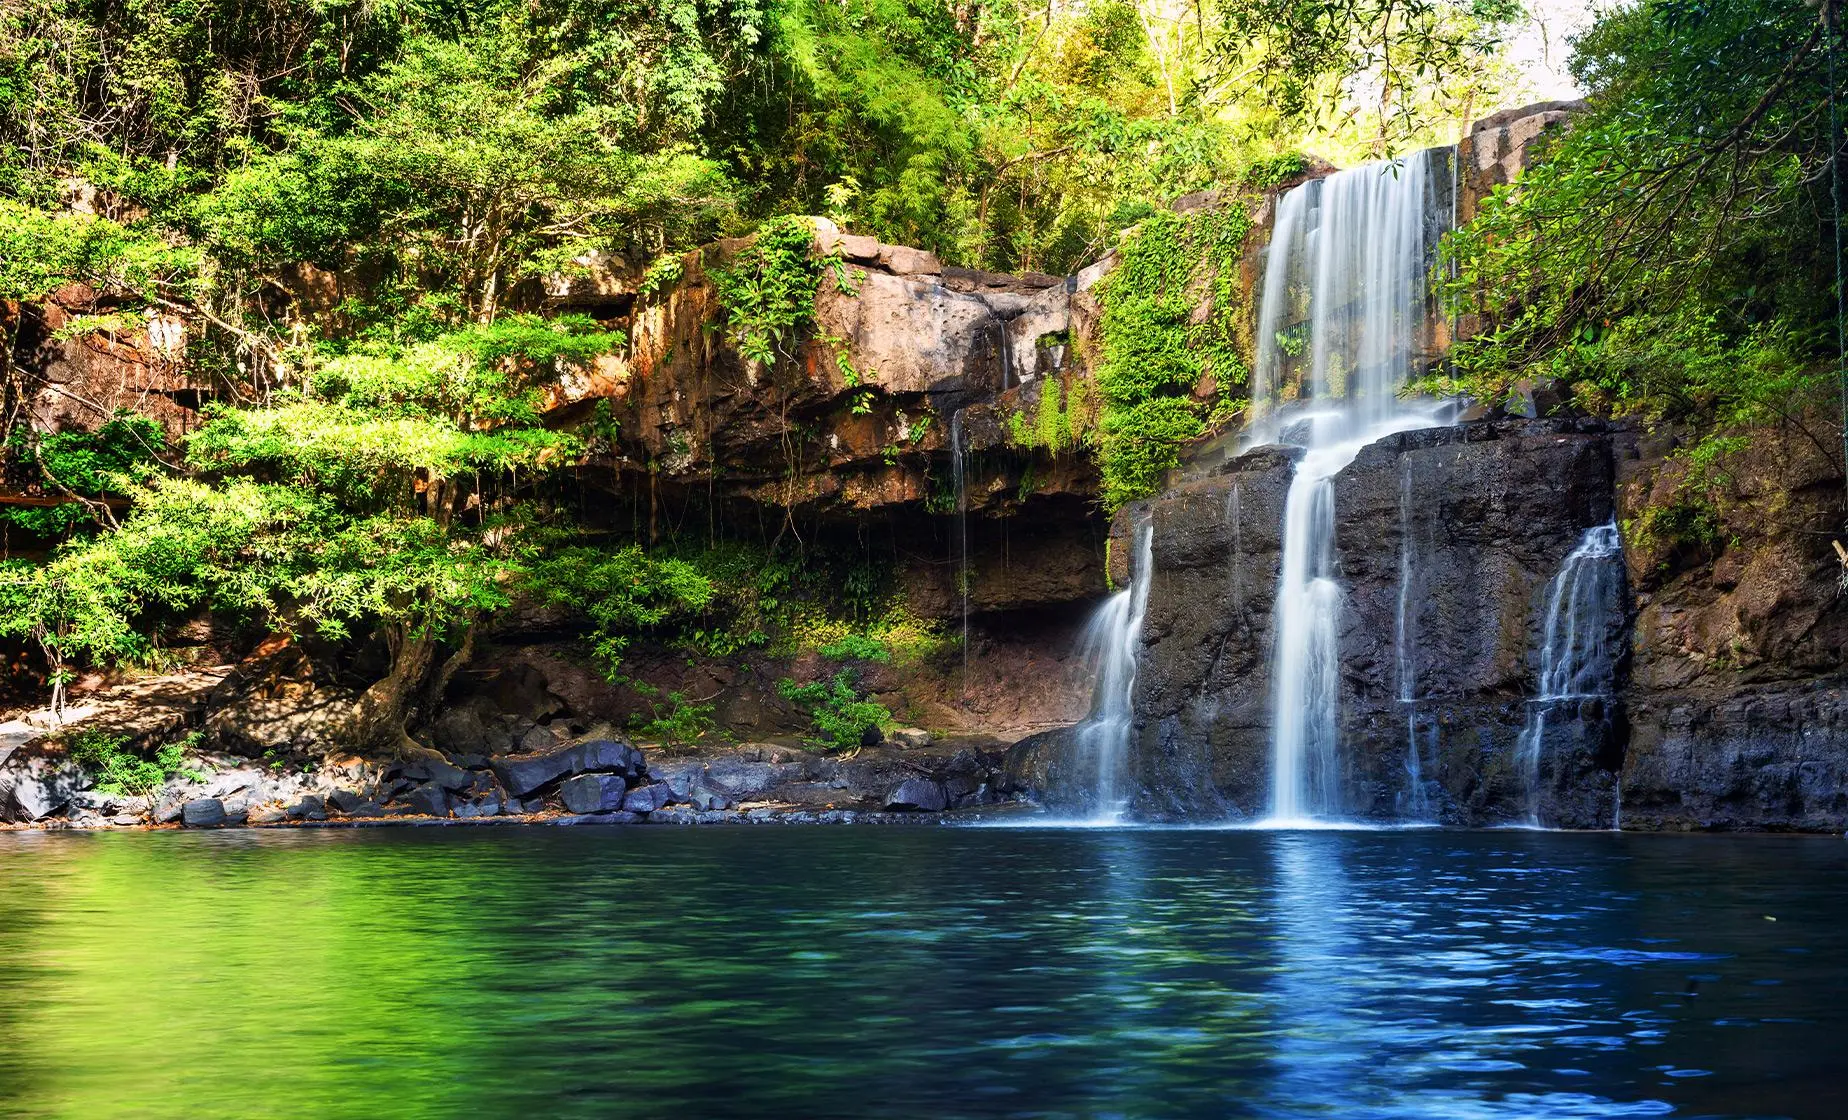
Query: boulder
{"points": [[237, 810], [708, 800], [438, 772], [268, 814], [35, 788], [312, 807], [648, 798], [346, 800], [491, 806], [203, 812], [366, 809], [911, 738], [525, 774], [594, 793], [920, 794], [168, 809], [429, 800]]}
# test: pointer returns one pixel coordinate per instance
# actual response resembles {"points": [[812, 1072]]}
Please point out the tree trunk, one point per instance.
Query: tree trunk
{"points": [[381, 718]]}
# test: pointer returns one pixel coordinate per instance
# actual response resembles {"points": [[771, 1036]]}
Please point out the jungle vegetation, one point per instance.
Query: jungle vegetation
{"points": [[383, 470]]}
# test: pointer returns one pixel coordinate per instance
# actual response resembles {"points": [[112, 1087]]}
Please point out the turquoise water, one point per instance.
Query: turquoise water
{"points": [[910, 972]]}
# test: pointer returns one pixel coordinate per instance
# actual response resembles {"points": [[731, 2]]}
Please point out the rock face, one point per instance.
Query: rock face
{"points": [[1488, 512], [1727, 685]]}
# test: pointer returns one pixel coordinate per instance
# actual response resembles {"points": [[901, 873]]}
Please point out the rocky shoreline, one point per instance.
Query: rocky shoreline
{"points": [[600, 778]]}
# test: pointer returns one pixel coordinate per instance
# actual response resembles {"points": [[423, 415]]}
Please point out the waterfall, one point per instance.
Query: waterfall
{"points": [[1342, 326], [1235, 518], [1576, 658], [1112, 642], [1416, 804], [958, 472]]}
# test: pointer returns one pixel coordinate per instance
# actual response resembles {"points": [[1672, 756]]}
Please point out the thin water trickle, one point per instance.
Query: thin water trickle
{"points": [[1576, 662], [1112, 643], [1235, 518], [959, 473], [1416, 804], [1345, 310]]}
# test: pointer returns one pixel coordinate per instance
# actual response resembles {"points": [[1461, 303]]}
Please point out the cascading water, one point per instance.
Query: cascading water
{"points": [[1112, 642], [958, 473], [1416, 804], [1576, 656], [1342, 326]]}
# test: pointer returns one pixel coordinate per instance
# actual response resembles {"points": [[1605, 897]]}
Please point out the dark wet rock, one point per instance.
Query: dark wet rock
{"points": [[436, 770], [918, 794], [204, 812], [430, 800], [35, 788], [312, 807], [708, 800], [523, 775], [237, 810], [366, 809], [648, 798], [1488, 512], [490, 806], [346, 800], [593, 793], [596, 818]]}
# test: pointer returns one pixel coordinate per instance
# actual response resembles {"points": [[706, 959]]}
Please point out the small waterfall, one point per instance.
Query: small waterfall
{"points": [[1576, 658], [1341, 327], [1416, 804], [959, 472], [1112, 642]]}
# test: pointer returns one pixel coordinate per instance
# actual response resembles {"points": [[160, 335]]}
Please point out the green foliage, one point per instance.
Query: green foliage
{"points": [[1154, 354], [856, 647], [120, 771], [1274, 170], [623, 593], [1666, 258], [1057, 425], [41, 252], [842, 717], [80, 464], [672, 721], [768, 293]]}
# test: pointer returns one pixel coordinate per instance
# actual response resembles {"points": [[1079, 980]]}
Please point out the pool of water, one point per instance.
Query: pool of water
{"points": [[912, 972]]}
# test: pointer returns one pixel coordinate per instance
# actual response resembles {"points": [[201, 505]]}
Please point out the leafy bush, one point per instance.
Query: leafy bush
{"points": [[120, 771], [768, 293], [671, 719], [623, 593], [856, 647], [85, 464], [1153, 353], [1276, 169], [841, 717]]}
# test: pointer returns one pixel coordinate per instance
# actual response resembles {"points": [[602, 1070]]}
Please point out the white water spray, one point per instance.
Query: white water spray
{"points": [[1341, 328], [1112, 642], [1576, 661]]}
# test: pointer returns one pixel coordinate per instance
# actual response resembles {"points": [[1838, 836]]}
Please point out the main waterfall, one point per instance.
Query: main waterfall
{"points": [[1343, 323]]}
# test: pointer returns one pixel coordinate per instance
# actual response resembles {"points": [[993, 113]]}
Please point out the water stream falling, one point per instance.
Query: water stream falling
{"points": [[1112, 642], [1577, 660], [1416, 804], [959, 473], [1343, 323]]}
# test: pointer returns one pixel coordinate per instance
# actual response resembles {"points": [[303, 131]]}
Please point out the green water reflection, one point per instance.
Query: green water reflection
{"points": [[919, 972]]}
